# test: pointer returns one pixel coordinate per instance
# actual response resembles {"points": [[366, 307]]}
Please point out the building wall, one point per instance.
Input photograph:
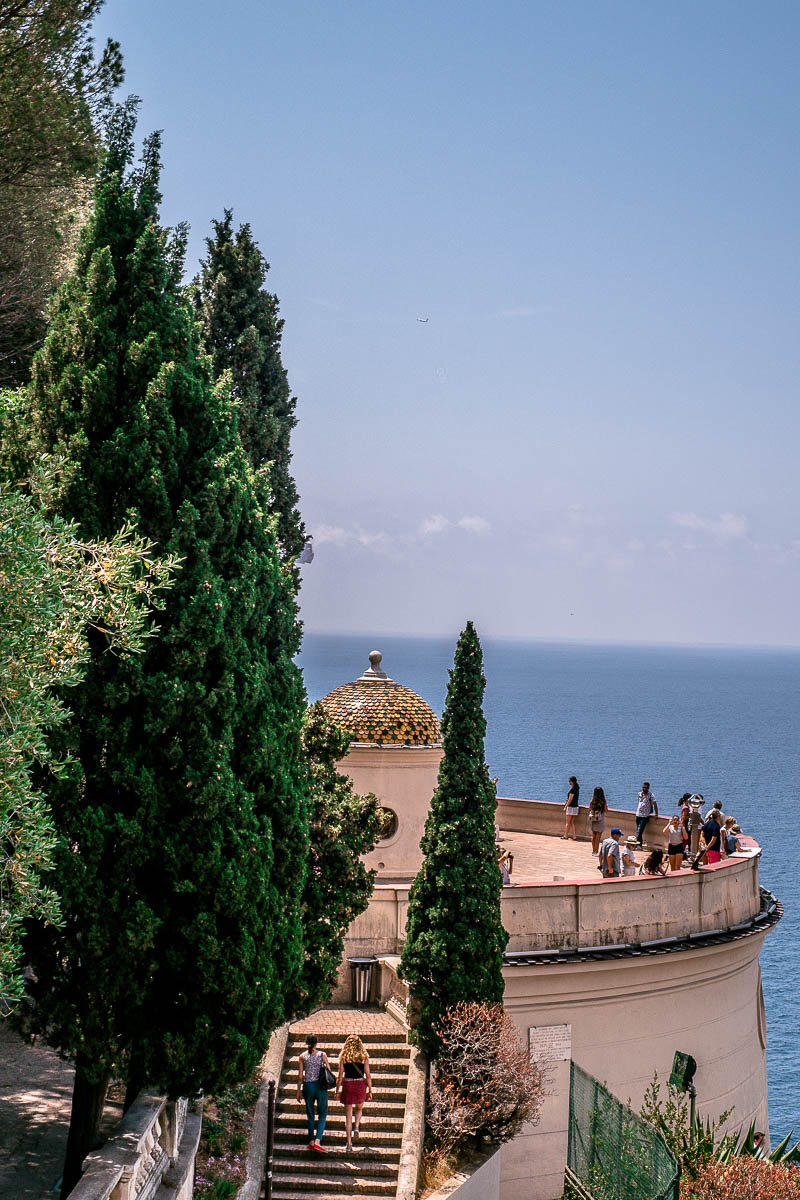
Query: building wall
{"points": [[628, 1017], [404, 779]]}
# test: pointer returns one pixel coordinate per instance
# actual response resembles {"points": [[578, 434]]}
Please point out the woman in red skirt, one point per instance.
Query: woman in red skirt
{"points": [[354, 1084]]}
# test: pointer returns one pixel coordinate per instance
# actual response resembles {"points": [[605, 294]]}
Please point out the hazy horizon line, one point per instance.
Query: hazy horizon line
{"points": [[558, 641]]}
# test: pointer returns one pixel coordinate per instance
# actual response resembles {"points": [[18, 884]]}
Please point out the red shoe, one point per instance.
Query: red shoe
{"points": [[320, 1149], [311, 1146]]}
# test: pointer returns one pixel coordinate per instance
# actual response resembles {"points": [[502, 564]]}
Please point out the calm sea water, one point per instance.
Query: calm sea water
{"points": [[722, 722]]}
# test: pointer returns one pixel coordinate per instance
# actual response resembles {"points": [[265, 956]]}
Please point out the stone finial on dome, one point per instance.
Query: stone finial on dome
{"points": [[374, 670]]}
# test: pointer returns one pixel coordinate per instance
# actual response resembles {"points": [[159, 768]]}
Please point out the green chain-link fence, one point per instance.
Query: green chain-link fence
{"points": [[612, 1152]]}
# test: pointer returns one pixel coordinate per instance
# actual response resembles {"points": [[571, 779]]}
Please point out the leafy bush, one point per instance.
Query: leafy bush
{"points": [[694, 1148], [670, 1117], [484, 1087], [743, 1178]]}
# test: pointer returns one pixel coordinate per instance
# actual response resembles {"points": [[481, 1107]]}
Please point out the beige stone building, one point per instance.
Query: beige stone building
{"points": [[617, 974]]}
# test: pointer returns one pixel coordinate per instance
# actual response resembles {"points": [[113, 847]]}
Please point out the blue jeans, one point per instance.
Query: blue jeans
{"points": [[313, 1092], [641, 823]]}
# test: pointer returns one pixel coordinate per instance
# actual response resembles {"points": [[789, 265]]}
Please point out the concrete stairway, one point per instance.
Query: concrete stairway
{"points": [[370, 1169]]}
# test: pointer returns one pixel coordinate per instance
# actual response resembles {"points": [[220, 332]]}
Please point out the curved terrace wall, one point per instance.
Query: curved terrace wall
{"points": [[595, 911]]}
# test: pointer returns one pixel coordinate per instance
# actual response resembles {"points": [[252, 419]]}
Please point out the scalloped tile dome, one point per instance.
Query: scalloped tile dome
{"points": [[376, 709]]}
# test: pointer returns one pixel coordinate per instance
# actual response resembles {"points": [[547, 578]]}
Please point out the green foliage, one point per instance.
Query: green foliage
{"points": [[242, 332], [183, 817], [454, 934], [53, 585], [55, 94], [670, 1117], [696, 1148], [338, 886]]}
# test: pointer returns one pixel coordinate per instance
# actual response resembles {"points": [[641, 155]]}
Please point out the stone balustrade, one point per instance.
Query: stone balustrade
{"points": [[155, 1142]]}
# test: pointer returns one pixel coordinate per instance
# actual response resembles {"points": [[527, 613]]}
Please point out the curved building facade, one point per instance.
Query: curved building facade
{"points": [[617, 974]]}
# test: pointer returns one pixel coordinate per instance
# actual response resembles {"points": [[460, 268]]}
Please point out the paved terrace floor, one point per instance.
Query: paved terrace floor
{"points": [[541, 858]]}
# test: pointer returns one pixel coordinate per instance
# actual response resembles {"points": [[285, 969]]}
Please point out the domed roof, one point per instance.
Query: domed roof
{"points": [[376, 709]]}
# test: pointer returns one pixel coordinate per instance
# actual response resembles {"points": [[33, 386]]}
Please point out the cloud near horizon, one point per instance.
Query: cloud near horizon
{"points": [[727, 528], [439, 523], [435, 525]]}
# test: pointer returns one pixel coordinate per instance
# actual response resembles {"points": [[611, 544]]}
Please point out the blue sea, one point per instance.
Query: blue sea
{"points": [[724, 722]]}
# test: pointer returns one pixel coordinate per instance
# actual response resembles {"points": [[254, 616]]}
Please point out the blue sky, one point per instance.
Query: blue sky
{"points": [[595, 432]]}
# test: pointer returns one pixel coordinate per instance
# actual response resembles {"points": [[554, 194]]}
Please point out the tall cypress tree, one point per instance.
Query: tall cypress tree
{"points": [[243, 336], [454, 933], [184, 817], [343, 827]]}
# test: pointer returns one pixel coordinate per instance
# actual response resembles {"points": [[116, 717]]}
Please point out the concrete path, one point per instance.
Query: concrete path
{"points": [[35, 1100], [35, 1097]]}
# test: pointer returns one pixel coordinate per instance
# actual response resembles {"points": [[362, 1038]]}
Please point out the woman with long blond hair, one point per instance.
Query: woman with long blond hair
{"points": [[354, 1084]]}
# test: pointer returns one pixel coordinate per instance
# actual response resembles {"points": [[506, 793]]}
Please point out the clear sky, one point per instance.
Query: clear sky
{"points": [[594, 206]]}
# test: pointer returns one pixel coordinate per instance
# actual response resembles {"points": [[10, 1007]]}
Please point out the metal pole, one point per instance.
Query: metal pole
{"points": [[270, 1140], [692, 1110]]}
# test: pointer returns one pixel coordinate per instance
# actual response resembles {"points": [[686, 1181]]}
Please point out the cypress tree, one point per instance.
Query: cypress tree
{"points": [[343, 826], [454, 933], [184, 816], [243, 336]]}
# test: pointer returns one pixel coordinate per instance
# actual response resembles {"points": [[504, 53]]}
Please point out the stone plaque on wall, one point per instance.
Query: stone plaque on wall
{"points": [[550, 1043]]}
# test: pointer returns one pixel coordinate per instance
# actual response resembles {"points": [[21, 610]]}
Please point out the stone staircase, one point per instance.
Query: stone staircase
{"points": [[370, 1169]]}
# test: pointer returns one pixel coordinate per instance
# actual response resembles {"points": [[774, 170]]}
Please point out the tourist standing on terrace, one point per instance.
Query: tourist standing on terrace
{"points": [[597, 817], [609, 855], [627, 858], [729, 839], [674, 831], [572, 806], [645, 809], [712, 839], [685, 814]]}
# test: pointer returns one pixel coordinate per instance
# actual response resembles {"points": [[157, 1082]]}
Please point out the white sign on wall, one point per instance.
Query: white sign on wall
{"points": [[550, 1043]]}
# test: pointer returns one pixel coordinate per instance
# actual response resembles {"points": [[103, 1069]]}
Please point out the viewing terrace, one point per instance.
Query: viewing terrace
{"points": [[560, 905]]}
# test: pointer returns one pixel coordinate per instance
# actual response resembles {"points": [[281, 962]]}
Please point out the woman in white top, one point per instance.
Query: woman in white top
{"points": [[627, 859], [310, 1090]]}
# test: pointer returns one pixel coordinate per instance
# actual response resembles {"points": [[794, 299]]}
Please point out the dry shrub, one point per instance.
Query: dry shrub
{"points": [[484, 1087], [438, 1166], [743, 1178]]}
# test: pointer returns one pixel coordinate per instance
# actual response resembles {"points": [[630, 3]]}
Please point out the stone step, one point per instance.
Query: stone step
{"points": [[374, 1049], [299, 1039], [377, 1066], [380, 1091], [314, 1187], [287, 1108], [338, 1138], [369, 1125], [358, 1163], [365, 1151]]}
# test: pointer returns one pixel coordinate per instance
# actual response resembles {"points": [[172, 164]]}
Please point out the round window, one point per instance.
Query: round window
{"points": [[389, 824]]}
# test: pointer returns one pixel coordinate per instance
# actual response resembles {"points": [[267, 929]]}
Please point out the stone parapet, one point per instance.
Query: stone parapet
{"points": [[151, 1143], [595, 911]]}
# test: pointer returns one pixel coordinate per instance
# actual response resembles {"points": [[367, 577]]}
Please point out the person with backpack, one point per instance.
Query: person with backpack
{"points": [[312, 1087]]}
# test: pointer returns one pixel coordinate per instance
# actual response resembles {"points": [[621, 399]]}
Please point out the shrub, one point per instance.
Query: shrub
{"points": [[743, 1179], [484, 1087]]}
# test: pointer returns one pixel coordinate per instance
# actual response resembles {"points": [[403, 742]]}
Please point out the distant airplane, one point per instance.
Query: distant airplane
{"points": [[423, 320]]}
